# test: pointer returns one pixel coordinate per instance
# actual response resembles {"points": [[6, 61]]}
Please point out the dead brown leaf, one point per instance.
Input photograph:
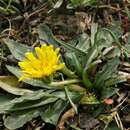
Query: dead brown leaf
{"points": [[68, 114]]}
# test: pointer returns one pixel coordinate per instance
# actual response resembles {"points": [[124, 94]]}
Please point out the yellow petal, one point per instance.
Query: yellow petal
{"points": [[44, 63]]}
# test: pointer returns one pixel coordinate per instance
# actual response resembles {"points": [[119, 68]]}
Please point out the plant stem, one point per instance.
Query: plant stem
{"points": [[66, 82]]}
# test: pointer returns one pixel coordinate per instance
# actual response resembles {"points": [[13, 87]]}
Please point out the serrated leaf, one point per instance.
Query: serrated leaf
{"points": [[106, 118], [89, 99]]}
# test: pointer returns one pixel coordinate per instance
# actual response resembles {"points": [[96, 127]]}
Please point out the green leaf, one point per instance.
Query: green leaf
{"points": [[18, 119], [108, 92], [103, 38], [18, 50], [75, 96], [36, 95], [115, 79], [127, 11], [128, 47], [33, 104], [92, 54], [34, 82], [106, 118], [89, 99], [46, 36], [94, 28], [48, 104], [115, 38], [116, 28], [81, 42], [112, 127], [14, 9], [111, 52], [77, 64], [28, 101], [38, 99], [3, 11], [73, 62], [53, 112], [11, 85], [5, 99], [111, 36], [58, 4], [2, 2], [108, 70], [50, 111]]}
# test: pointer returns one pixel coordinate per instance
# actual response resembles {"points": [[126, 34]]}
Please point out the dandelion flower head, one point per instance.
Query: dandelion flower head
{"points": [[42, 63]]}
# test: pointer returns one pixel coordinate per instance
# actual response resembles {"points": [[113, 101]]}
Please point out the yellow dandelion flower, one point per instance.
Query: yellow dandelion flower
{"points": [[43, 63]]}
